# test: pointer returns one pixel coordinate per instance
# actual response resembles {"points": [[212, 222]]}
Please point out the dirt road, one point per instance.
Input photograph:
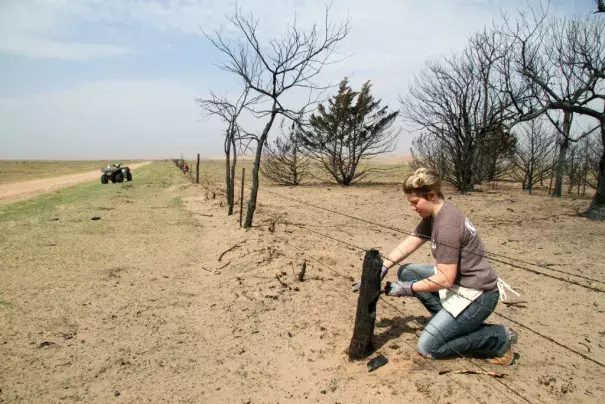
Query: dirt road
{"points": [[26, 189]]}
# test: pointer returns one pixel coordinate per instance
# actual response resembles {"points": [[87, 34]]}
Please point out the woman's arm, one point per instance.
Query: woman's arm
{"points": [[403, 250], [443, 279]]}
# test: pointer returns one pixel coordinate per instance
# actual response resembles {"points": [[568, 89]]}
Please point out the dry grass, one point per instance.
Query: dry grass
{"points": [[23, 170]]}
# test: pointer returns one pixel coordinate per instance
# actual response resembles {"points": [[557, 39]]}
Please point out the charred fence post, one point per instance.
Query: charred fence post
{"points": [[197, 170], [369, 292]]}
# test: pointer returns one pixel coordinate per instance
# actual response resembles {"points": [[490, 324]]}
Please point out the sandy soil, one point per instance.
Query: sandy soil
{"points": [[22, 190], [144, 310]]}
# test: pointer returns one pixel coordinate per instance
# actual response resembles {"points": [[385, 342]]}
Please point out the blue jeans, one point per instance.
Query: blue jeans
{"points": [[448, 336]]}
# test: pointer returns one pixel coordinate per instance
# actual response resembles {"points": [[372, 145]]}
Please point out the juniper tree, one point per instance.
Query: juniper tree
{"points": [[352, 128]]}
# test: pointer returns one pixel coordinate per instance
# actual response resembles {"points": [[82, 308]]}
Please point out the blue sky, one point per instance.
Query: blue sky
{"points": [[87, 79]]}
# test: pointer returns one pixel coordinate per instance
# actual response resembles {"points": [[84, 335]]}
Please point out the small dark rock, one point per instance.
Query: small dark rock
{"points": [[95, 218], [290, 334], [45, 344], [323, 392]]}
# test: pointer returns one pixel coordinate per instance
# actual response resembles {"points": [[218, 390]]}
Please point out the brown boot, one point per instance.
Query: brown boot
{"points": [[509, 357], [506, 360]]}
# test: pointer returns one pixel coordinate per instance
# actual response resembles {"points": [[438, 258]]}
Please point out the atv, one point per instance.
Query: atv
{"points": [[115, 173]]}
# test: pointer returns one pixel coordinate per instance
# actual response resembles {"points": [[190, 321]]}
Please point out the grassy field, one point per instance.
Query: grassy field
{"points": [[23, 170]]}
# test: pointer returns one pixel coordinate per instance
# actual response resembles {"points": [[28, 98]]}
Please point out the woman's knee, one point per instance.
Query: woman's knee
{"points": [[404, 273], [427, 344]]}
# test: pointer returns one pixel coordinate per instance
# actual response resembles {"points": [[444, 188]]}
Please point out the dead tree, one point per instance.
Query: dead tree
{"points": [[286, 162], [229, 112], [430, 152], [369, 292], [595, 151], [533, 154], [456, 103], [279, 66], [562, 64]]}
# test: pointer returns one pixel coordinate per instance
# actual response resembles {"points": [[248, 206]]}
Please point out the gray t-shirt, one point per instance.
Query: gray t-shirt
{"points": [[454, 240]]}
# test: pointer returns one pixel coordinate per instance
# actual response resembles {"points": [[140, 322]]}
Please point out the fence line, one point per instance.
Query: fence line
{"points": [[470, 252], [428, 360], [586, 357]]}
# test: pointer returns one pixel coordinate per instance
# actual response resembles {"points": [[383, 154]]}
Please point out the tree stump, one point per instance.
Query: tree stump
{"points": [[369, 292]]}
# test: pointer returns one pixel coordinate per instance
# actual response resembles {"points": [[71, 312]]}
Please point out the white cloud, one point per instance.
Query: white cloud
{"points": [[389, 42], [39, 30], [112, 118], [40, 48]]}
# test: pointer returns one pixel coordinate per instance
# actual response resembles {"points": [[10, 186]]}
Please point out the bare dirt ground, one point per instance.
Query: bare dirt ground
{"points": [[136, 307], [18, 191]]}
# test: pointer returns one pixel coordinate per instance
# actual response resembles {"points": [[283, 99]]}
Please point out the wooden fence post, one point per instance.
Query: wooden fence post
{"points": [[241, 197], [369, 292], [197, 170]]}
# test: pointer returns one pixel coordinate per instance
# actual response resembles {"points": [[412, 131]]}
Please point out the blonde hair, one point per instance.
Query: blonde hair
{"points": [[423, 181]]}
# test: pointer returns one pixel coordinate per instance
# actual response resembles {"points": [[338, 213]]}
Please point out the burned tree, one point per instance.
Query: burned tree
{"points": [[534, 153], [275, 68], [562, 65], [430, 152], [455, 103], [229, 112], [351, 129], [285, 161]]}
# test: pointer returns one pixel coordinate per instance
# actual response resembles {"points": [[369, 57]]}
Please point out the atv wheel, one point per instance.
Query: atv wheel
{"points": [[119, 177], [104, 179], [128, 176]]}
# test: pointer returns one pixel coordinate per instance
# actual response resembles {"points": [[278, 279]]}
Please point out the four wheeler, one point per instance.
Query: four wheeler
{"points": [[115, 173]]}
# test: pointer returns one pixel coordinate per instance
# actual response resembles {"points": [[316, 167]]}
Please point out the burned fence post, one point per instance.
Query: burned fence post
{"points": [[197, 170], [369, 292], [241, 197]]}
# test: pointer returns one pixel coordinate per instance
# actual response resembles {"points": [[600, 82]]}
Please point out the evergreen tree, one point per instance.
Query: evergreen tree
{"points": [[352, 128]]}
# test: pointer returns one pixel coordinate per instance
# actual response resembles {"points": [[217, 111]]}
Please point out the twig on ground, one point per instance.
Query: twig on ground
{"points": [[515, 304], [472, 372], [274, 223], [224, 265], [282, 283], [226, 251]]}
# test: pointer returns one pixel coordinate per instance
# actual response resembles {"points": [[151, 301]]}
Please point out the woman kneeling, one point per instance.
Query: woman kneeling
{"points": [[460, 290]]}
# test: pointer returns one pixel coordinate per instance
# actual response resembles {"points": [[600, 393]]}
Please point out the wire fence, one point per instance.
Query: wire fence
{"points": [[485, 254], [546, 337], [490, 255]]}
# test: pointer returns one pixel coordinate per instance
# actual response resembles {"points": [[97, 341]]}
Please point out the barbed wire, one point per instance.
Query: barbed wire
{"points": [[425, 329], [406, 342], [584, 356], [449, 246]]}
